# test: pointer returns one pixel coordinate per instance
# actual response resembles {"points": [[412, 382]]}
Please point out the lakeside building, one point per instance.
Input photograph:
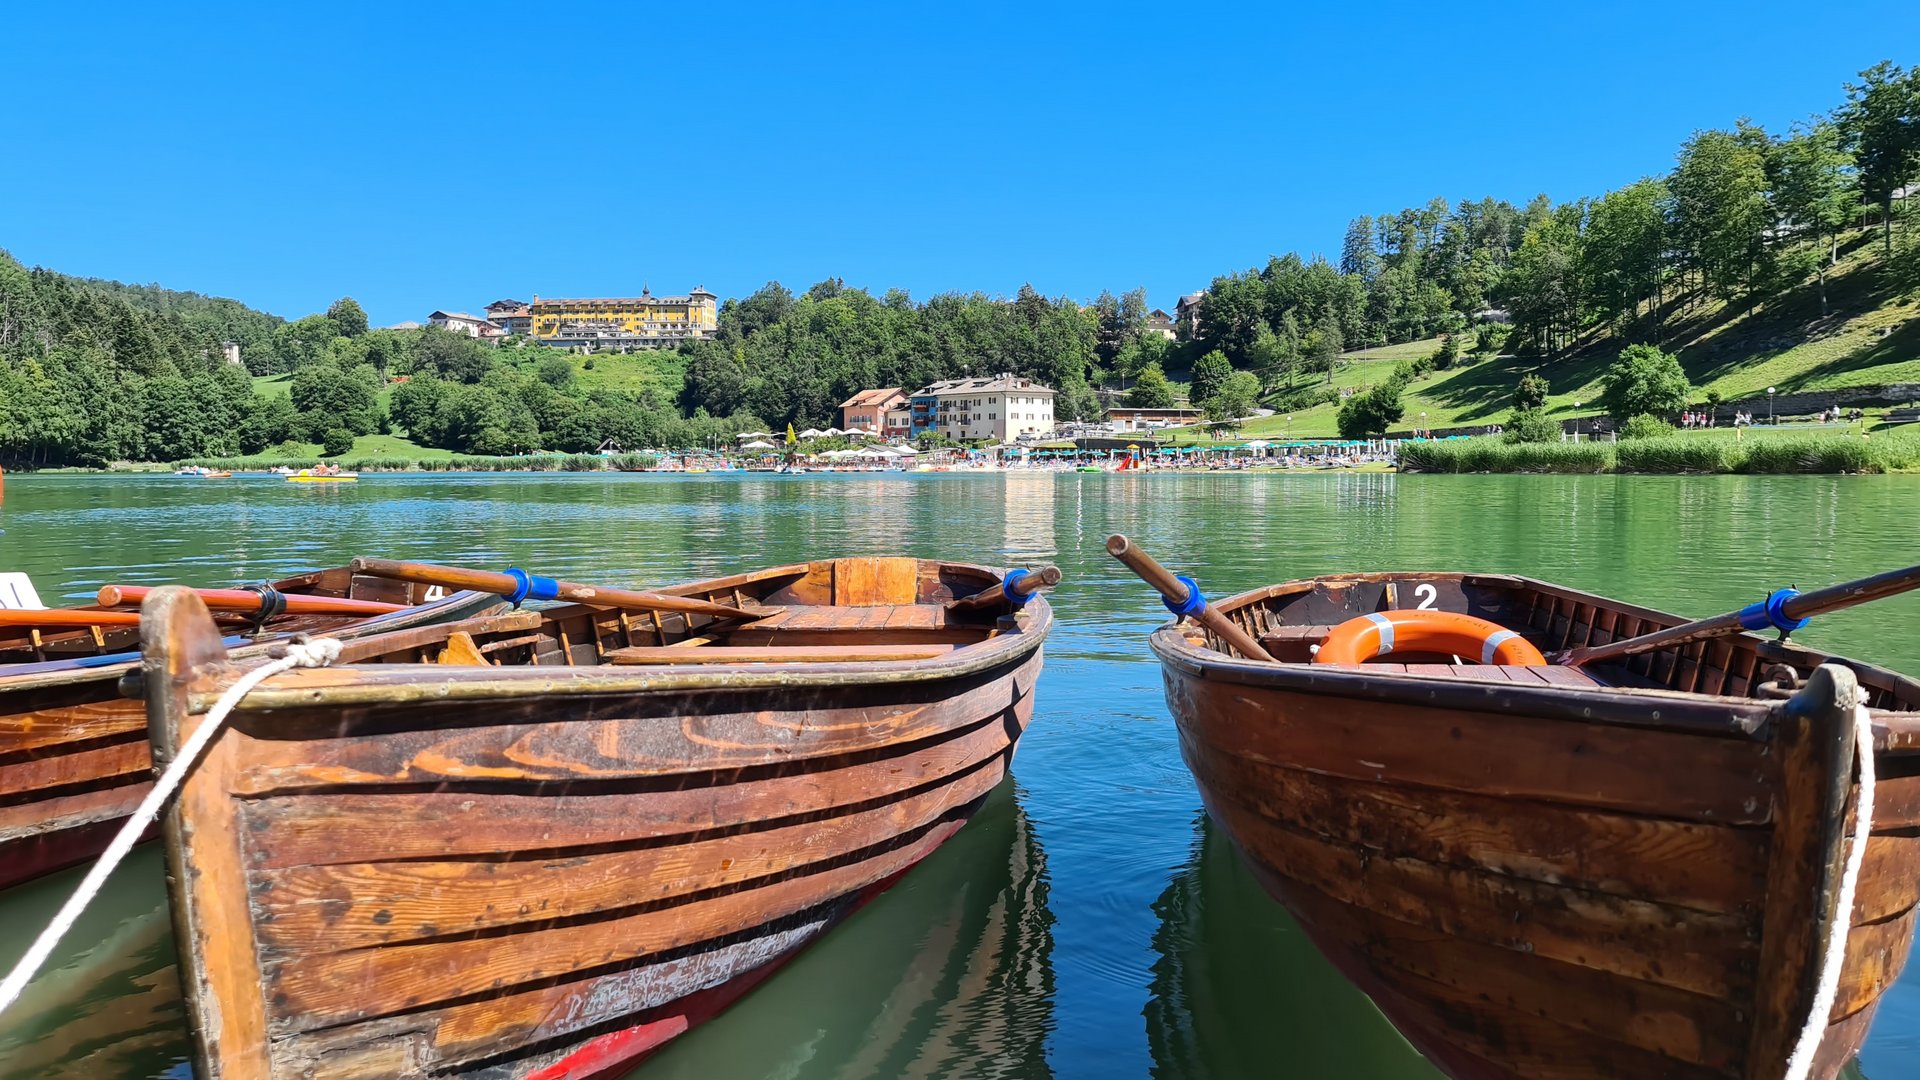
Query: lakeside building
{"points": [[473, 326], [511, 315], [868, 409], [899, 422], [624, 323], [1000, 408], [1187, 313], [1132, 419], [1160, 324]]}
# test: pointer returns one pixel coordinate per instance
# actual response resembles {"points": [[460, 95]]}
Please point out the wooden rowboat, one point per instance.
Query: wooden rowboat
{"points": [[540, 844], [1629, 868], [73, 750]]}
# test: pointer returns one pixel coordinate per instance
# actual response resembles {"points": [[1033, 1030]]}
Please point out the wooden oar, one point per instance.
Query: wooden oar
{"points": [[1785, 611], [71, 618], [1179, 595], [248, 600], [519, 585], [1025, 584]]}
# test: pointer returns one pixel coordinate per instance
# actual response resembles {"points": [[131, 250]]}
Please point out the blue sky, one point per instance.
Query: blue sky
{"points": [[418, 157]]}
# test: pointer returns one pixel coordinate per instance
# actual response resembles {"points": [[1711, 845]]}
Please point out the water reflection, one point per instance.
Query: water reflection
{"points": [[1239, 991], [107, 1005], [949, 973]]}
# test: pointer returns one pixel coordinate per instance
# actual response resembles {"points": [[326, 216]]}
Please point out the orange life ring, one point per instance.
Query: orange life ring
{"points": [[1448, 633]]}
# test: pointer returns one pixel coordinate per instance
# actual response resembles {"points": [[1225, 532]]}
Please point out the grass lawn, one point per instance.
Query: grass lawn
{"points": [[366, 446]]}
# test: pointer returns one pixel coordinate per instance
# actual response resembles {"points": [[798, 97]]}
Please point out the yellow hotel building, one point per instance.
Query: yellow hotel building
{"points": [[632, 322]]}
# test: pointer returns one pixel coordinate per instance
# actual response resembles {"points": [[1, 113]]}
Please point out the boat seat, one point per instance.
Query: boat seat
{"points": [[1552, 675], [774, 654]]}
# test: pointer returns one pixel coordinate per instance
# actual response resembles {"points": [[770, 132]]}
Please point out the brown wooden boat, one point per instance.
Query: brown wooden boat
{"points": [[539, 844], [1624, 869], [73, 750]]}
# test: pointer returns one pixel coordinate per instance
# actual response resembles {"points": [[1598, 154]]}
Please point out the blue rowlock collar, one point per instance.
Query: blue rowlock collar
{"points": [[1015, 599], [531, 587], [1772, 612], [1194, 604]]}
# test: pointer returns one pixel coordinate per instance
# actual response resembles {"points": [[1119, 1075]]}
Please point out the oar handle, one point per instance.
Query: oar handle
{"points": [[1784, 610], [251, 601], [518, 585], [1177, 594], [1018, 585]]}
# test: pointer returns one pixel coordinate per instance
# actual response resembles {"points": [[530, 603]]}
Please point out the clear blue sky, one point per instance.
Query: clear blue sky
{"points": [[418, 158]]}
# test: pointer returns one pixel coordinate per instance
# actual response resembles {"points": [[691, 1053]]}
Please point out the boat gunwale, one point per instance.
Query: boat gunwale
{"points": [[38, 674], [377, 683], [1692, 712]]}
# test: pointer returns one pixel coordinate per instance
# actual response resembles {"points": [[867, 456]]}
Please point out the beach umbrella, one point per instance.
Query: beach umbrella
{"points": [[832, 431], [812, 433], [757, 444]]}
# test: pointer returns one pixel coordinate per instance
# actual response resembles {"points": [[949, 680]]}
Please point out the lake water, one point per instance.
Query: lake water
{"points": [[1088, 923]]}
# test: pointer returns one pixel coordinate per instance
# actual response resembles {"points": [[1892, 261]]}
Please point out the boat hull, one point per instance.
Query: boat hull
{"points": [[1554, 881], [537, 872], [74, 758]]}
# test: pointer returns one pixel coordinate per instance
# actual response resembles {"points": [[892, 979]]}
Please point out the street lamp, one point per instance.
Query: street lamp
{"points": [[1576, 420], [1769, 406], [1423, 426]]}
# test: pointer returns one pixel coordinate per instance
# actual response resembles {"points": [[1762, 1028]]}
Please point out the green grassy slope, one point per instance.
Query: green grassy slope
{"points": [[1870, 337]]}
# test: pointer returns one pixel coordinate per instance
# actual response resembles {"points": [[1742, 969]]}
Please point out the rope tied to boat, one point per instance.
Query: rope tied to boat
{"points": [[1800, 1062], [318, 652], [1193, 605], [1772, 612]]}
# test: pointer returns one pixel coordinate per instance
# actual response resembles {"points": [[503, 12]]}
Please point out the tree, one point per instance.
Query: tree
{"points": [[1235, 398], [337, 441], [1370, 413], [1720, 209], [1811, 174], [557, 372], [1276, 356], [1542, 289], [1531, 393], [1210, 373], [1357, 255], [1322, 349], [1623, 250], [1151, 390], [347, 314], [1881, 122], [1644, 380], [327, 397]]}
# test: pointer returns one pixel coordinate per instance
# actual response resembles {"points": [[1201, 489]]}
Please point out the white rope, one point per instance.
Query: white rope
{"points": [[1835, 958], [317, 653]]}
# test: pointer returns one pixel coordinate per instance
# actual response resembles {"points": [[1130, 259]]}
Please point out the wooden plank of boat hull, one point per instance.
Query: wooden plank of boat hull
{"points": [[1514, 756], [1889, 878], [647, 735], [1686, 1028], [110, 764], [38, 728], [293, 830], [803, 654], [56, 812], [1896, 802], [336, 908], [1676, 947], [667, 990], [1706, 867], [336, 989], [1875, 955]]}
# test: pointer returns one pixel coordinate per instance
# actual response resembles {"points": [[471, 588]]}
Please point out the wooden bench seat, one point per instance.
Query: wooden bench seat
{"points": [[796, 654], [877, 617]]}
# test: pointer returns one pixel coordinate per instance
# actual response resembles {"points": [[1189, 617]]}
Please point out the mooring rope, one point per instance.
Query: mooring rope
{"points": [[1800, 1063], [317, 653]]}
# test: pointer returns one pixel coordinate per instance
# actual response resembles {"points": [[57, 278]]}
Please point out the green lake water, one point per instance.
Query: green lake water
{"points": [[1088, 923]]}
